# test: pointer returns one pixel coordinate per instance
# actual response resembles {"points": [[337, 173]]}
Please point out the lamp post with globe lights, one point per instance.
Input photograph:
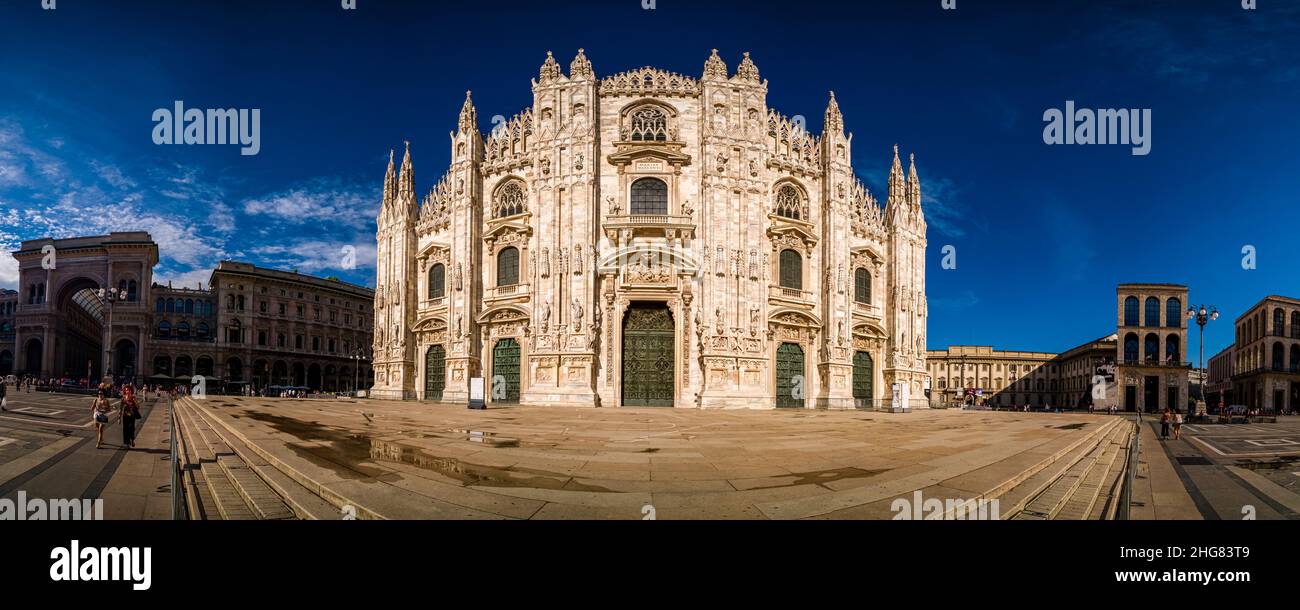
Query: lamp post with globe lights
{"points": [[358, 356], [1202, 316], [108, 296]]}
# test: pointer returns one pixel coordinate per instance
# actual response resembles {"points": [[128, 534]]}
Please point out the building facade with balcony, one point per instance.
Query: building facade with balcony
{"points": [[1152, 367], [652, 239], [1266, 355], [282, 328], [979, 374]]}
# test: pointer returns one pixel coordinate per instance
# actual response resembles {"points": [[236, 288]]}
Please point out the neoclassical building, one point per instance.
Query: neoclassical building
{"points": [[652, 239]]}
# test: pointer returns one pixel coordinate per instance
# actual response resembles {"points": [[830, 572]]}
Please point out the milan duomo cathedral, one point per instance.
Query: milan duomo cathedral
{"points": [[652, 239]]}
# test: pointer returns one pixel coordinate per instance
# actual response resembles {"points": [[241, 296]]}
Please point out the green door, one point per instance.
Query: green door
{"points": [[648, 369], [435, 372], [791, 386], [863, 376], [505, 372]]}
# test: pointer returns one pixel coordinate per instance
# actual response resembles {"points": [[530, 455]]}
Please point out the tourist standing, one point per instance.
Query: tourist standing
{"points": [[4, 402], [1165, 420], [1178, 424]]}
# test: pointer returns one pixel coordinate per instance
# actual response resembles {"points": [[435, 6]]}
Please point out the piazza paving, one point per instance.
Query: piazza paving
{"points": [[411, 460]]}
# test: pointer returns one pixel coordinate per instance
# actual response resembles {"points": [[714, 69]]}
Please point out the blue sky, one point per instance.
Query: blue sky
{"points": [[1043, 234]]}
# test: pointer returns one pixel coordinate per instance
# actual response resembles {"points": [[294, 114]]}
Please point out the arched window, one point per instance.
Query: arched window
{"points": [[164, 328], [437, 281], [1151, 348], [1279, 322], [647, 124], [1173, 313], [1131, 312], [789, 202], [1295, 325], [509, 200], [1153, 311], [201, 331], [1295, 358], [508, 267], [791, 270], [1172, 353], [1278, 356], [183, 330], [862, 286], [189, 306], [171, 306], [161, 305], [649, 196], [1130, 348]]}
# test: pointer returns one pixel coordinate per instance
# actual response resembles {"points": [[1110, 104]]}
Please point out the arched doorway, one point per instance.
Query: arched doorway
{"points": [[505, 372], [435, 372], [279, 373], [299, 375], [234, 370], [124, 359], [864, 380], [184, 367], [313, 377], [648, 362], [34, 364], [791, 386], [6, 362]]}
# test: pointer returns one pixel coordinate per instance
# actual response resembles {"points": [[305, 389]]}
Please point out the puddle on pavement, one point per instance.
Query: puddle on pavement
{"points": [[353, 449], [474, 474]]}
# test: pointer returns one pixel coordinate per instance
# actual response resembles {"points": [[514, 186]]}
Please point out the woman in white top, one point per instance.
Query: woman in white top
{"points": [[99, 411]]}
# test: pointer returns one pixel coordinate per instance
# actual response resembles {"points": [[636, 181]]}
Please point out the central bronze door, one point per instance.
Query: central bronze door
{"points": [[648, 371]]}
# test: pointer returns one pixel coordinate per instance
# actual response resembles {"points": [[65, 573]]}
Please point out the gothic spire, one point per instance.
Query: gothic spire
{"points": [[406, 182], [581, 67], [913, 183], [390, 179], [747, 70], [468, 116], [550, 70], [896, 183], [714, 67], [834, 120]]}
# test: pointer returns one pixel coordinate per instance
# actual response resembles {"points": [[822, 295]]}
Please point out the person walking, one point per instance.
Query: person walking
{"points": [[1178, 424], [4, 402], [99, 410], [130, 407], [1165, 420]]}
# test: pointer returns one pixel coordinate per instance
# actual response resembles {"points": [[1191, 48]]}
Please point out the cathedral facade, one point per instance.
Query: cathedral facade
{"points": [[652, 239]]}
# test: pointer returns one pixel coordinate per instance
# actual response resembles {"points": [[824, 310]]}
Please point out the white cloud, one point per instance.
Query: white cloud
{"points": [[315, 256], [192, 278], [318, 201]]}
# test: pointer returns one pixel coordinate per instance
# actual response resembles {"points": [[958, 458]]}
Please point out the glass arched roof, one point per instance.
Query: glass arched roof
{"points": [[89, 301]]}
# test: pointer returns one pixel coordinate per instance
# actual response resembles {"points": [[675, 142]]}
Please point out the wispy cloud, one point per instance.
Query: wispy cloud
{"points": [[320, 200]]}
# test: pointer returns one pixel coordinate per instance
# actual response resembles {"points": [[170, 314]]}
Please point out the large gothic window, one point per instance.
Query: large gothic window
{"points": [[649, 196], [862, 286], [648, 124], [508, 267], [789, 202], [437, 281], [509, 200], [791, 270]]}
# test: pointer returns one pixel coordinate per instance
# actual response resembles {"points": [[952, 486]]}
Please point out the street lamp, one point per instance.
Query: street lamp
{"points": [[108, 296], [357, 356], [1202, 317]]}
